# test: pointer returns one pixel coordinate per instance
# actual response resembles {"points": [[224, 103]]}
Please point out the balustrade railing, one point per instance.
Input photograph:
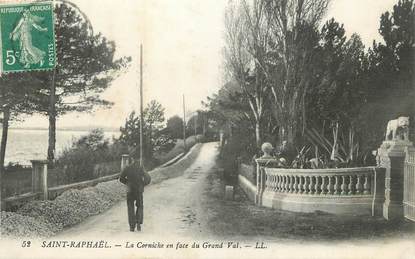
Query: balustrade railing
{"points": [[341, 182]]}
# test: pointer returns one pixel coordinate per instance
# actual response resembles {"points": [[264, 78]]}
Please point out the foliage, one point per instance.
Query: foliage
{"points": [[317, 78], [246, 47], [86, 64], [391, 65], [86, 67], [196, 123], [241, 145], [10, 167], [78, 161], [343, 150], [293, 25], [175, 127], [340, 92], [154, 139]]}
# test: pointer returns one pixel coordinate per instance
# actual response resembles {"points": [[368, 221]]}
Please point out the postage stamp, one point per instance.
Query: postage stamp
{"points": [[27, 39]]}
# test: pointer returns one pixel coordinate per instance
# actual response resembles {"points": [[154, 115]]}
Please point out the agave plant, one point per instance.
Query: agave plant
{"points": [[300, 161], [342, 150]]}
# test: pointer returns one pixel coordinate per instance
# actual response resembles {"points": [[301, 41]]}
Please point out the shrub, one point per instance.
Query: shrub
{"points": [[237, 147], [78, 161]]}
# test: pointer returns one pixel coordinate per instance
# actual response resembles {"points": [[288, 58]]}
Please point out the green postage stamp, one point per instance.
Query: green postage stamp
{"points": [[27, 40]]}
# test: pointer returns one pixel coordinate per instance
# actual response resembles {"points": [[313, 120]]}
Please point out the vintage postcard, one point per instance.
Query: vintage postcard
{"points": [[207, 129]]}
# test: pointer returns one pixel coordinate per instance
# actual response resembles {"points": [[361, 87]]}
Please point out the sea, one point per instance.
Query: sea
{"points": [[24, 145]]}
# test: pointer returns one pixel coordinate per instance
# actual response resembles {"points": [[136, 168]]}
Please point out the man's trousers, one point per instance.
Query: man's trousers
{"points": [[135, 214]]}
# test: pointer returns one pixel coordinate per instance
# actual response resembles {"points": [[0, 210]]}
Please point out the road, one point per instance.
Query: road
{"points": [[191, 209], [171, 208]]}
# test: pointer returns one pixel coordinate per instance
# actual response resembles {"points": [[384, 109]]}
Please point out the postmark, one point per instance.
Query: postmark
{"points": [[27, 39]]}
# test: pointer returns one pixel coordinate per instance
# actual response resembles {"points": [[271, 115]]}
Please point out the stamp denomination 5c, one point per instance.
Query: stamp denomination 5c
{"points": [[27, 39]]}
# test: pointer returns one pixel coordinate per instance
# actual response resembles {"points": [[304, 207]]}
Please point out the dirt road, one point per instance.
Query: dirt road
{"points": [[191, 209], [171, 208]]}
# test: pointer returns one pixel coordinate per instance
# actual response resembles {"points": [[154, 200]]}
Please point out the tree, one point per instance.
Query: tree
{"points": [[192, 126], [154, 139], [247, 36], [392, 62], [86, 67], [154, 117], [15, 99], [229, 107], [175, 127], [391, 65], [340, 89], [294, 39]]}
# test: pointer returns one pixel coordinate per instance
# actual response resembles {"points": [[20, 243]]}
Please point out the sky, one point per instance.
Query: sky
{"points": [[183, 42]]}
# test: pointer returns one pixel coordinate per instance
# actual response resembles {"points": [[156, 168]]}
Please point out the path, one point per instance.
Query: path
{"points": [[191, 207], [171, 207]]}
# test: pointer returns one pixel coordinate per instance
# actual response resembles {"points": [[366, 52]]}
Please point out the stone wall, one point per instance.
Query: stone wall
{"points": [[248, 187]]}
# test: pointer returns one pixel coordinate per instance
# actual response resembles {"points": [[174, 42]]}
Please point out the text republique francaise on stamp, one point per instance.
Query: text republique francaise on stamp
{"points": [[27, 39]]}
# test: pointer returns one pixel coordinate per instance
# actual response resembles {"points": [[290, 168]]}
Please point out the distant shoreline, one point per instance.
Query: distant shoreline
{"points": [[67, 129]]}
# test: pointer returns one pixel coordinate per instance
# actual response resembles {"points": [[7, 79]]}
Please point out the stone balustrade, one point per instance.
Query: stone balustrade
{"points": [[358, 191], [354, 181]]}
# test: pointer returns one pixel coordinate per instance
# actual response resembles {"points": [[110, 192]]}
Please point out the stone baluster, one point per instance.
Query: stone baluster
{"points": [[330, 186], [300, 185], [366, 188], [277, 180], [358, 185], [305, 185], [316, 185], [323, 185], [350, 185], [290, 184], [286, 184], [343, 186], [311, 185], [274, 182], [295, 187], [336, 185], [279, 184], [279, 188]]}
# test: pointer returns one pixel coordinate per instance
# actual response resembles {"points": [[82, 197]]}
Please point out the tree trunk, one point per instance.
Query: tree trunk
{"points": [[52, 137], [52, 120], [258, 134], [5, 131]]}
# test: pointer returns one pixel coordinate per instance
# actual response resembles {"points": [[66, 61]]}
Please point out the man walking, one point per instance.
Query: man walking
{"points": [[135, 177]]}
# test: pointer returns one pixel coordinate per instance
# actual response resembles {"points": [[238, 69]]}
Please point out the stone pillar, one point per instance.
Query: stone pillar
{"points": [[124, 161], [40, 177], [391, 156], [261, 163], [267, 160]]}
